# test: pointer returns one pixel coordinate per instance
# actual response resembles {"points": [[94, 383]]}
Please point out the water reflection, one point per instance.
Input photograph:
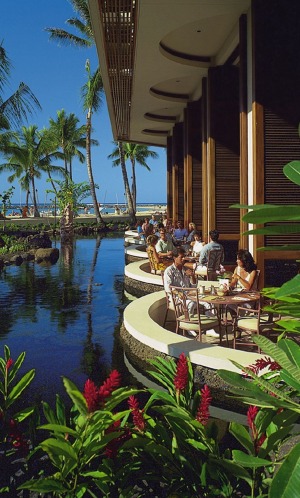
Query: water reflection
{"points": [[64, 316]]}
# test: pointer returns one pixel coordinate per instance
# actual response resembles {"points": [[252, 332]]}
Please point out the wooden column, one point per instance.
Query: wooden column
{"points": [[204, 162], [169, 178], [243, 129], [188, 168], [177, 172]]}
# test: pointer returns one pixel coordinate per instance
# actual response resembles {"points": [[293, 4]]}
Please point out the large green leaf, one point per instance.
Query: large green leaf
{"points": [[250, 461], [20, 416], [275, 229], [19, 388], [76, 396], [292, 350], [274, 213], [286, 482], [48, 485], [286, 247], [242, 435], [60, 429], [292, 171], [59, 448], [290, 287]]}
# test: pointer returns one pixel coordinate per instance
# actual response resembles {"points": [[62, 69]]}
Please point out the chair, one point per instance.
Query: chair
{"points": [[189, 314], [154, 266], [255, 285], [169, 302], [214, 260], [249, 322]]}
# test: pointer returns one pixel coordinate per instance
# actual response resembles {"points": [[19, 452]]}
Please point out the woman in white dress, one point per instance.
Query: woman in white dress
{"points": [[245, 272]]}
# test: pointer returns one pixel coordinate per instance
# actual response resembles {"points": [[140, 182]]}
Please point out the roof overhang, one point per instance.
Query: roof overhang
{"points": [[153, 56]]}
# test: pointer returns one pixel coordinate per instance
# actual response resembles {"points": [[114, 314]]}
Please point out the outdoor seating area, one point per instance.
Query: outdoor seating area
{"points": [[166, 324]]}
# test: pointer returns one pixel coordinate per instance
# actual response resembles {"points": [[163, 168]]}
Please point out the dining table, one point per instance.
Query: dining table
{"points": [[232, 299]]}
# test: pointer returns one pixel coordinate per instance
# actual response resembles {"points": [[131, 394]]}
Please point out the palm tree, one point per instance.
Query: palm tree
{"points": [[82, 24], [136, 154], [118, 156], [91, 97], [14, 109], [65, 135], [28, 157]]}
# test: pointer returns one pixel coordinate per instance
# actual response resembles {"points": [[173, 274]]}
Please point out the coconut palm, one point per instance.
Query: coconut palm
{"points": [[29, 157], [136, 154], [91, 97], [14, 109], [118, 156], [64, 134], [82, 24]]}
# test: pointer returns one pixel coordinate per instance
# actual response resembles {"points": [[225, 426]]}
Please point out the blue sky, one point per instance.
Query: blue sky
{"points": [[56, 74]]}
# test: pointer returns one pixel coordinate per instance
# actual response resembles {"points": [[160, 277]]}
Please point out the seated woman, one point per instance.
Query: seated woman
{"points": [[197, 244], [245, 273], [156, 263]]}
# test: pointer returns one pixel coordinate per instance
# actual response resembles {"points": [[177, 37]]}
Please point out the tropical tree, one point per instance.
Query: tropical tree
{"points": [[15, 108], [65, 134], [92, 89], [82, 24], [91, 97], [28, 157], [136, 154]]}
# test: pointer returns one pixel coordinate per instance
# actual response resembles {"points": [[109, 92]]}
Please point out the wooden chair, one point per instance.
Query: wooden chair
{"points": [[249, 322], [255, 285], [214, 260], [169, 303], [189, 314]]}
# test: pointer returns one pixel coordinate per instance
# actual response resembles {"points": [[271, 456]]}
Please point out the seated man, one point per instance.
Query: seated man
{"points": [[164, 246], [177, 276], [213, 244], [180, 233]]}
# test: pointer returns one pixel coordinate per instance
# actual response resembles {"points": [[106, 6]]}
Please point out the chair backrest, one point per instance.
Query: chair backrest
{"points": [[181, 296], [255, 285], [215, 257]]}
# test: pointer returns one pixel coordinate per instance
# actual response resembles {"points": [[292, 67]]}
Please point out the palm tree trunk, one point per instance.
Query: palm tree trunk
{"points": [[36, 212], [131, 210], [133, 186], [89, 167]]}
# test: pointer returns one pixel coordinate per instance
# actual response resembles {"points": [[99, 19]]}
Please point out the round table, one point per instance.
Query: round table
{"points": [[232, 299]]}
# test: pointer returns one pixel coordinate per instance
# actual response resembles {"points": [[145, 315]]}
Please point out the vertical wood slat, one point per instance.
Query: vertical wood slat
{"points": [[119, 28]]}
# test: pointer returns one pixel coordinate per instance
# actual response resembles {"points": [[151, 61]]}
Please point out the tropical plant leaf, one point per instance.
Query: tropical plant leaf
{"points": [[16, 366], [20, 416], [273, 213], [76, 396], [19, 388], [242, 435], [292, 350], [59, 448], [290, 287], [286, 482], [250, 461], [275, 230], [292, 171], [48, 485], [59, 428]]}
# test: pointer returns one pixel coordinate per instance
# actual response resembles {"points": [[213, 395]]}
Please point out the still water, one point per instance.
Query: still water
{"points": [[66, 316]]}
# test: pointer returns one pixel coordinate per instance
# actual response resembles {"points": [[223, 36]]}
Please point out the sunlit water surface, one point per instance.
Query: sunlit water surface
{"points": [[66, 317]]}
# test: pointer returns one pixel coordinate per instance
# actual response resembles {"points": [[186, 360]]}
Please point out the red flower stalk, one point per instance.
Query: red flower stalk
{"points": [[9, 363], [111, 383], [113, 446], [262, 363], [202, 414], [91, 395], [257, 439], [137, 414], [181, 377]]}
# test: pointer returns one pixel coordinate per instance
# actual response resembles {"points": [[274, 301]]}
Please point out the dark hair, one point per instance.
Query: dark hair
{"points": [[196, 232], [214, 235], [247, 259], [177, 251]]}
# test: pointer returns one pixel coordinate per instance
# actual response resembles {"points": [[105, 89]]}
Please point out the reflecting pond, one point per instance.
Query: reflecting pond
{"points": [[66, 316]]}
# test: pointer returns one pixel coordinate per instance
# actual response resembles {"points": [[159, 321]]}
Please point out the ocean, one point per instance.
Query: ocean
{"points": [[87, 208]]}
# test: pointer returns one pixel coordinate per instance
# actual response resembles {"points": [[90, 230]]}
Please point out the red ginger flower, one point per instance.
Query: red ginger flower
{"points": [[91, 395], [9, 363], [262, 363], [181, 377], [111, 383], [137, 414], [257, 438], [202, 414]]}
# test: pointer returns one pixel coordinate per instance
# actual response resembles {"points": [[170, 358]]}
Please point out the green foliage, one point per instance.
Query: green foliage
{"points": [[69, 192]]}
